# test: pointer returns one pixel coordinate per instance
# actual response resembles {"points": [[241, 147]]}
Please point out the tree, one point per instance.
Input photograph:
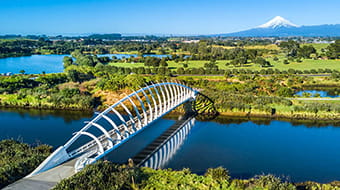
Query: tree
{"points": [[285, 92], [334, 50], [68, 61], [262, 62], [185, 65], [252, 54], [22, 71], [87, 60], [211, 65], [73, 75], [291, 47], [180, 71], [163, 62], [152, 61], [306, 51], [239, 61], [76, 53]]}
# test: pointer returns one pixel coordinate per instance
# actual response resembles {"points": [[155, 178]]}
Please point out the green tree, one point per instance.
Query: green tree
{"points": [[262, 62], [68, 61], [306, 51], [334, 50], [291, 47], [285, 92]]}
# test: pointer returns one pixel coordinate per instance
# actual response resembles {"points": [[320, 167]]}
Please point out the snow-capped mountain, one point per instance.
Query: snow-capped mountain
{"points": [[278, 22], [280, 27]]}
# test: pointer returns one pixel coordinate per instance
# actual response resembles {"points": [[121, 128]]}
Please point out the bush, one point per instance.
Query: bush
{"points": [[270, 182], [19, 159], [103, 175], [286, 62], [219, 174]]}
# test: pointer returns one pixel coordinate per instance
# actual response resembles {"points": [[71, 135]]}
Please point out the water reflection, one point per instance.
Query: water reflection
{"points": [[40, 126], [247, 148], [163, 154], [67, 115]]}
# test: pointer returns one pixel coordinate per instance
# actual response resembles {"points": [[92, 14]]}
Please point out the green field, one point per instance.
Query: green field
{"points": [[318, 46], [306, 64]]}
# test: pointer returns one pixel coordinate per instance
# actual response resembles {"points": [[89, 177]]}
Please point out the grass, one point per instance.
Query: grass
{"points": [[306, 64], [269, 47], [318, 46]]}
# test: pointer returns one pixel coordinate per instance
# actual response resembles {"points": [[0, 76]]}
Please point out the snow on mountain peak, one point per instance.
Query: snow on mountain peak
{"points": [[278, 22]]}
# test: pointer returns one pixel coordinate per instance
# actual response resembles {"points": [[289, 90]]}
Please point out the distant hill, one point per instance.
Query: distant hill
{"points": [[105, 36], [280, 27]]}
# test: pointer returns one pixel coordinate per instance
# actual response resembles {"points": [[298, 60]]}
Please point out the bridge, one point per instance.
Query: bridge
{"points": [[109, 130]]}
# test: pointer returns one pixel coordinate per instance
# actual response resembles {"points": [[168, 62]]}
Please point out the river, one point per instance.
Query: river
{"points": [[37, 64], [245, 147], [319, 93]]}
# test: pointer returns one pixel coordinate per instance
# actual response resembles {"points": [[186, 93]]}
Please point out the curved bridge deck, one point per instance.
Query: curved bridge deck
{"points": [[45, 180]]}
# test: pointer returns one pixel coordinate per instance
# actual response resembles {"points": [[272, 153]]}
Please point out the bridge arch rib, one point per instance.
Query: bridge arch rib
{"points": [[161, 98]]}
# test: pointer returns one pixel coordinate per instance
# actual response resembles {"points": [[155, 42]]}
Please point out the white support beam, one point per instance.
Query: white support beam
{"points": [[122, 120], [109, 138], [113, 124], [100, 146], [143, 108], [137, 113], [149, 104]]}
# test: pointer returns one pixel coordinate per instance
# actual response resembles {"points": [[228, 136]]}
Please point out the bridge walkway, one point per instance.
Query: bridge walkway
{"points": [[45, 180]]}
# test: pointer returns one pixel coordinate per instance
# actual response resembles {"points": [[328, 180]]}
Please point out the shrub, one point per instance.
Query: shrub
{"points": [[19, 159]]}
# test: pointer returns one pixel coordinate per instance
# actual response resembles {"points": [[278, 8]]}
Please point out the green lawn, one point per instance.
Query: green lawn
{"points": [[318, 47], [306, 64]]}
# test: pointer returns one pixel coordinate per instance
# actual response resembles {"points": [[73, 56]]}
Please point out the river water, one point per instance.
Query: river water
{"points": [[246, 148], [37, 64], [318, 93]]}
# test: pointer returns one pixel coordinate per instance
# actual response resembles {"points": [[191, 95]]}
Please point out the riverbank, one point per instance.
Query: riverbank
{"points": [[303, 118], [284, 116], [131, 177], [31, 104]]}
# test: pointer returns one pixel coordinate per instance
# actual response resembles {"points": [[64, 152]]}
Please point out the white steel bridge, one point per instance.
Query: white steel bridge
{"points": [[118, 123]]}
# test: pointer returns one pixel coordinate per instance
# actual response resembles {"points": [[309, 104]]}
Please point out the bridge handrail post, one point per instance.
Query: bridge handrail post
{"points": [[159, 99], [143, 108], [149, 104]]}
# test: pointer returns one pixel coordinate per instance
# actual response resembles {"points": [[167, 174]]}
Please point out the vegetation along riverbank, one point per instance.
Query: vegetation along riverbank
{"points": [[243, 95], [106, 175], [19, 159]]}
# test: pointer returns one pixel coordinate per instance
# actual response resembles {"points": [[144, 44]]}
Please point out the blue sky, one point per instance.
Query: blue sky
{"points": [[157, 16]]}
